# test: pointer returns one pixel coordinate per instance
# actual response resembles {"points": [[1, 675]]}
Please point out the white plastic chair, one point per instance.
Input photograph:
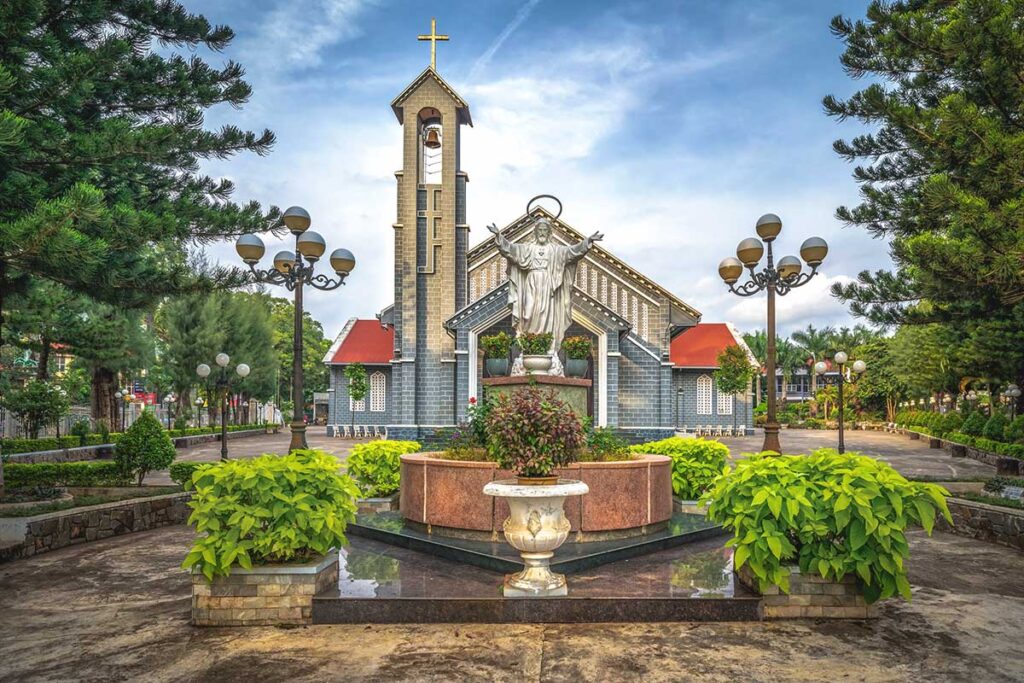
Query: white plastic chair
{"points": [[727, 430], [741, 430], [718, 430]]}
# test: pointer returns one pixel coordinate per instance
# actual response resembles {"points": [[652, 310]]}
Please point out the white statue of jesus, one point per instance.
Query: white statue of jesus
{"points": [[540, 277]]}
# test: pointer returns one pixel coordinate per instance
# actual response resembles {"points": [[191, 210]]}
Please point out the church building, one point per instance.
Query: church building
{"points": [[653, 359]]}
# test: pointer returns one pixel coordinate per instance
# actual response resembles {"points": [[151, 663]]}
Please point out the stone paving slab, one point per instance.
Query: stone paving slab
{"points": [[910, 458], [118, 609]]}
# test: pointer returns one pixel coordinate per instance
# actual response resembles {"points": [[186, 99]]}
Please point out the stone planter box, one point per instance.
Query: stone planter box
{"points": [[984, 522], [934, 442], [811, 596], [627, 498], [385, 504], [268, 595], [914, 436]]}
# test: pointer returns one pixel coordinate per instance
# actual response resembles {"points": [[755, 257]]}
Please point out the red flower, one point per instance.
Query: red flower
{"points": [[472, 400]]}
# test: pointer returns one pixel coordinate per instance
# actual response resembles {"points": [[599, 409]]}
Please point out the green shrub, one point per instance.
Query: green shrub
{"points": [[54, 474], [534, 344], [604, 444], [974, 425], [1015, 430], [104, 432], [833, 514], [995, 428], [695, 462], [952, 421], [533, 432], [496, 345], [376, 466], [813, 423], [577, 348], [81, 430], [144, 447], [269, 509], [181, 472], [961, 438]]}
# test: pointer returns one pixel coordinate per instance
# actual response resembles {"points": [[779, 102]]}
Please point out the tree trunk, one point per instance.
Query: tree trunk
{"points": [[43, 369], [103, 405], [814, 392]]}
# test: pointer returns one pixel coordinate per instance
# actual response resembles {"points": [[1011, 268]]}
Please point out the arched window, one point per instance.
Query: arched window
{"points": [[724, 402], [357, 406], [378, 393], [704, 385]]}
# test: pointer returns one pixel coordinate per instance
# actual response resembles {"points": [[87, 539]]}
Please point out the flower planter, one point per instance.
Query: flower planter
{"points": [[811, 596], [266, 595], [497, 367], [537, 365], [576, 367], [627, 498], [536, 527]]}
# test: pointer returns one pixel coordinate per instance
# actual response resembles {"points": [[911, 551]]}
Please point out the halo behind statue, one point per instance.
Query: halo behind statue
{"points": [[529, 204]]}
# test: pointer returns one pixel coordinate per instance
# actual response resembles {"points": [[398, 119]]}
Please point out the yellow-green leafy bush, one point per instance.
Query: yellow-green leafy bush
{"points": [[269, 509], [832, 514], [376, 466], [695, 462]]}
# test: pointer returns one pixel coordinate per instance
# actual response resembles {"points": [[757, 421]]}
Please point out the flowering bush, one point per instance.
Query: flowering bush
{"points": [[534, 344], [496, 345], [533, 433]]}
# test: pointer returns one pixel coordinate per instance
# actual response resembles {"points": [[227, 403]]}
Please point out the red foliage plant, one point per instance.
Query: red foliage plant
{"points": [[532, 432]]}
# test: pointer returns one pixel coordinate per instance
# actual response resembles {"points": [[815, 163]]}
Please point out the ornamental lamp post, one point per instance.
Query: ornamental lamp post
{"points": [[290, 270], [858, 367], [169, 400], [199, 410], [1013, 393], [118, 394], [222, 382], [775, 279]]}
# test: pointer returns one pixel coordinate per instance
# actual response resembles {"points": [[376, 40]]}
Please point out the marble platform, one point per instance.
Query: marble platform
{"points": [[382, 583], [498, 556]]}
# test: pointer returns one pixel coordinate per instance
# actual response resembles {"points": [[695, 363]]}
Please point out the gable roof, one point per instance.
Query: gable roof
{"points": [[460, 104], [699, 346], [362, 341], [514, 229]]}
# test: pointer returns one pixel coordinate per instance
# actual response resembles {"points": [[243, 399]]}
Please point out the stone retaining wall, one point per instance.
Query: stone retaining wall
{"points": [[811, 596], [992, 523], [106, 450], [262, 596], [27, 536]]}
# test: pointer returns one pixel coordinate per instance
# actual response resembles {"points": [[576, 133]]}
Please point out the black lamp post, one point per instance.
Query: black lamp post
{"points": [[223, 382], [169, 400], [858, 367], [290, 270], [775, 279]]}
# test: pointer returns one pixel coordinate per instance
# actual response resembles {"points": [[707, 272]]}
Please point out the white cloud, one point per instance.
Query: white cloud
{"points": [[521, 15]]}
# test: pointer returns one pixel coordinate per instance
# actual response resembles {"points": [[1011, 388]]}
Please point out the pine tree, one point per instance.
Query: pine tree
{"points": [[942, 175], [101, 137]]}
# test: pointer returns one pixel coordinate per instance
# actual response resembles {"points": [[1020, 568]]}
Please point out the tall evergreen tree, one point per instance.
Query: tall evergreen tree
{"points": [[941, 179], [101, 138]]}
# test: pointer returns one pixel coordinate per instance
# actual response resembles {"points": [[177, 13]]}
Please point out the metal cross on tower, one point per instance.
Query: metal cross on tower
{"points": [[433, 38]]}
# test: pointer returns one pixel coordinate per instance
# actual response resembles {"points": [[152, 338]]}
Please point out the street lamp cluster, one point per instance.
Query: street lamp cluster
{"points": [[290, 270], [775, 279], [858, 367], [124, 397], [222, 381], [1012, 393]]}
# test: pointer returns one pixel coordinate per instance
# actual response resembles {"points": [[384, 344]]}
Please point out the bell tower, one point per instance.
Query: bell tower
{"points": [[431, 240]]}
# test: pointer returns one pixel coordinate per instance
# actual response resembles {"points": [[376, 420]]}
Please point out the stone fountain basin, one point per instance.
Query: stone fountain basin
{"points": [[626, 498]]}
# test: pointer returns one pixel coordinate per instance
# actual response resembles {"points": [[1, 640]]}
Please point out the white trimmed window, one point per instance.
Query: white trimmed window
{"points": [[724, 403], [704, 385], [378, 392]]}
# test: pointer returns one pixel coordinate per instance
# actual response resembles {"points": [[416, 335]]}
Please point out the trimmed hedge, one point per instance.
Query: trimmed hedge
{"points": [[376, 466], [1009, 450], [53, 474], [51, 443], [696, 463], [181, 472]]}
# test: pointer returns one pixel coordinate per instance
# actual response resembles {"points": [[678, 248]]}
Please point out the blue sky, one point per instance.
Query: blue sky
{"points": [[669, 126]]}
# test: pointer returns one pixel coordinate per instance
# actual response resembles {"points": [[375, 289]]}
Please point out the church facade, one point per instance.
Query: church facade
{"points": [[653, 359]]}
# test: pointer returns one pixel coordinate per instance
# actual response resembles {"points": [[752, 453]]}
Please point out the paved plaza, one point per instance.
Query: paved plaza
{"points": [[118, 609]]}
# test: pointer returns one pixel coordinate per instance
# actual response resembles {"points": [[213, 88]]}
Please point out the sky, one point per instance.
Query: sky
{"points": [[670, 126]]}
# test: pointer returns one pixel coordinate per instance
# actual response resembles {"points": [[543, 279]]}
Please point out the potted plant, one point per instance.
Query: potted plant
{"points": [[536, 350], [826, 518], [533, 433], [496, 349], [577, 355], [268, 529]]}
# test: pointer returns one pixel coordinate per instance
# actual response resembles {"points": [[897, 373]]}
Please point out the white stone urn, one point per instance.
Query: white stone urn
{"points": [[537, 364], [536, 527]]}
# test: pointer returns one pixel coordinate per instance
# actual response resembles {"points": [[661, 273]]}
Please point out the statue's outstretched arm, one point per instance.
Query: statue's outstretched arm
{"points": [[504, 246]]}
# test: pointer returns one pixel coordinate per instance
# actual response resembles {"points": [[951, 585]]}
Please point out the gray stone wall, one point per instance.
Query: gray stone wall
{"points": [[684, 383], [1004, 526], [639, 386], [338, 412], [53, 530]]}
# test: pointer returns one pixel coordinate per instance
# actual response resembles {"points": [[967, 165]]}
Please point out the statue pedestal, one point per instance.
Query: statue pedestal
{"points": [[571, 390]]}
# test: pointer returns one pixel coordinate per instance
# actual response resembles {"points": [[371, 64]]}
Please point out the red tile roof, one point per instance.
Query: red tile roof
{"points": [[699, 346], [365, 341]]}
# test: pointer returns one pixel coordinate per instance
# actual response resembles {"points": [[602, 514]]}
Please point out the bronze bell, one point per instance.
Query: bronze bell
{"points": [[433, 140]]}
